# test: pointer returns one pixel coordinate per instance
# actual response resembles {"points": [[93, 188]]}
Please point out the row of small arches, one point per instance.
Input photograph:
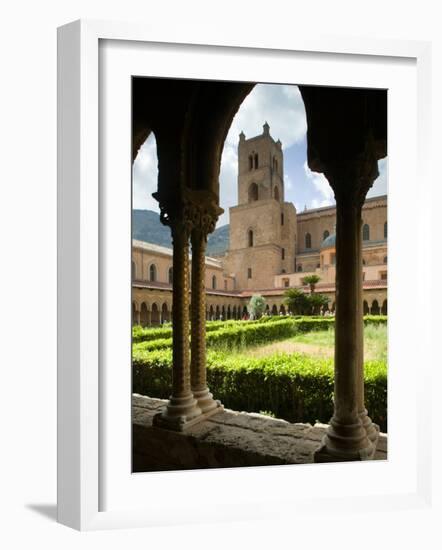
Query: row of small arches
{"points": [[153, 315], [152, 273], [326, 234], [254, 162], [254, 192], [299, 267], [156, 314]]}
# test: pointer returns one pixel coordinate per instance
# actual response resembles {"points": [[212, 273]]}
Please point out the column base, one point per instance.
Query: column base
{"points": [[346, 442], [206, 403], [371, 428], [179, 413], [325, 454], [171, 419]]}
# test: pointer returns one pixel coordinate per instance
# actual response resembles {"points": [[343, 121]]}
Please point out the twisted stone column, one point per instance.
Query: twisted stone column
{"points": [[182, 409], [204, 223], [349, 434], [371, 429]]}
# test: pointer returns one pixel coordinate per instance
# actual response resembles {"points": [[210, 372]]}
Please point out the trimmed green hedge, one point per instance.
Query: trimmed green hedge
{"points": [[295, 387], [234, 336], [305, 324]]}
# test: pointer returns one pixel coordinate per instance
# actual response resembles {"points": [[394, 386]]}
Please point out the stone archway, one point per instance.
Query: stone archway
{"points": [[375, 308], [165, 315], [384, 309], [155, 314], [144, 315], [193, 118], [366, 309], [135, 319]]}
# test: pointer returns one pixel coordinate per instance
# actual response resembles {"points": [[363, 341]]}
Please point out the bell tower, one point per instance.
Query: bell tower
{"points": [[262, 225], [260, 168]]}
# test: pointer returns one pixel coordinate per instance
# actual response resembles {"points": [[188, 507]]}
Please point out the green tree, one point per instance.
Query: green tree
{"points": [[312, 281], [297, 301], [257, 306], [317, 301]]}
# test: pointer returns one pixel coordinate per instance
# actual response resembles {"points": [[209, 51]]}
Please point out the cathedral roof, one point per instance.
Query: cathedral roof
{"points": [[329, 242]]}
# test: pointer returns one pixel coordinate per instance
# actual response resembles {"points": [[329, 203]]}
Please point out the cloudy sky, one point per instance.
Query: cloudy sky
{"points": [[282, 107]]}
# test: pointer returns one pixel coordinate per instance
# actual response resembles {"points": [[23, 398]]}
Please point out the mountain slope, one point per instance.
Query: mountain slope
{"points": [[146, 226]]}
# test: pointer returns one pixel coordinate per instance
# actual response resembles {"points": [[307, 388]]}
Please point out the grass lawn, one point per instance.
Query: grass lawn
{"points": [[321, 344]]}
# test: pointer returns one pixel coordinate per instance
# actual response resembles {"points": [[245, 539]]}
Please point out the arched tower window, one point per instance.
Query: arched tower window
{"points": [[153, 273], [170, 275], [325, 235], [214, 282], [275, 164], [385, 230], [250, 237], [282, 218], [308, 240], [253, 192], [276, 193], [256, 160], [366, 232], [250, 162]]}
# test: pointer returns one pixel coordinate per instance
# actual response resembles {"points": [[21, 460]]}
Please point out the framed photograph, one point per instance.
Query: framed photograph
{"points": [[152, 424]]}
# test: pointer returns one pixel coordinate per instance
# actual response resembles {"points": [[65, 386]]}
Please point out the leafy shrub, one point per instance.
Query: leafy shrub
{"points": [[295, 387]]}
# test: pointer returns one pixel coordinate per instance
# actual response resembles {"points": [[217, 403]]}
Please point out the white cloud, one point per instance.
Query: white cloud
{"points": [[323, 192], [280, 105], [282, 108], [380, 185], [145, 176], [288, 185]]}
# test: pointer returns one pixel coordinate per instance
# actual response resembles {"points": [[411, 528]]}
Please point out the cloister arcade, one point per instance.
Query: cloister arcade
{"points": [[346, 136], [149, 308]]}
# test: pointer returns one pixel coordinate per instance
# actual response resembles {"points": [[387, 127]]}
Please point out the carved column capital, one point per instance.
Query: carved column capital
{"points": [[351, 179], [193, 210]]}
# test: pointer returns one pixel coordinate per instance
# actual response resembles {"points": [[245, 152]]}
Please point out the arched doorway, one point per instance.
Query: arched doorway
{"points": [[217, 313], [384, 307], [274, 310], [134, 314], [155, 315], [375, 308], [144, 315], [229, 312], [211, 313], [165, 316], [282, 309], [366, 308]]}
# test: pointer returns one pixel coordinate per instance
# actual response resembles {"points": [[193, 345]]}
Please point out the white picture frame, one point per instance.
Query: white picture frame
{"points": [[85, 457]]}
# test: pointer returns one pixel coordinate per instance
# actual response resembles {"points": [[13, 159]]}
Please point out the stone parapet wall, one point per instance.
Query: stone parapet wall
{"points": [[225, 440]]}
